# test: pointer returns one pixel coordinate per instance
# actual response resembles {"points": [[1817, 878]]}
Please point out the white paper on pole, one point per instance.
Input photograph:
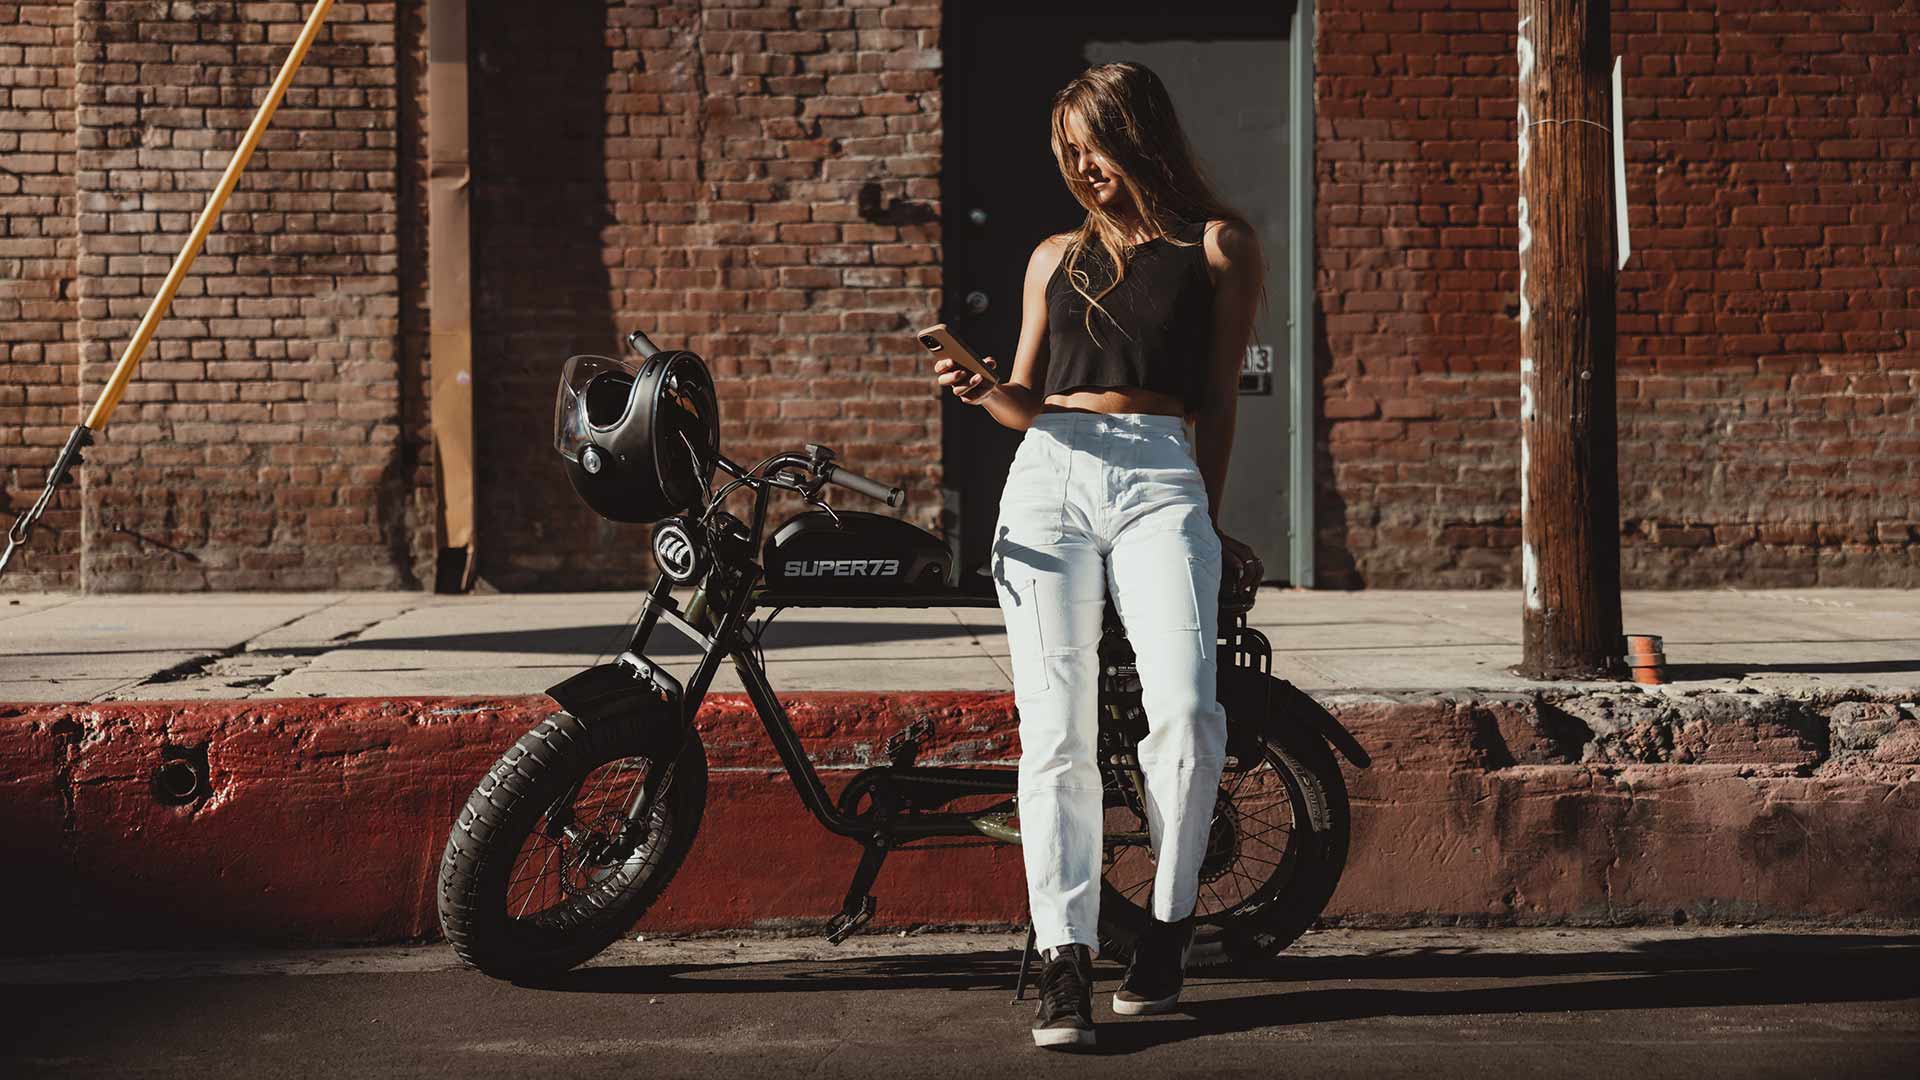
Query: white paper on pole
{"points": [[1620, 168]]}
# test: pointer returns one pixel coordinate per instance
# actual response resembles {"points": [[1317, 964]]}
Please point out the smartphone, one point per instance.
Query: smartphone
{"points": [[941, 341]]}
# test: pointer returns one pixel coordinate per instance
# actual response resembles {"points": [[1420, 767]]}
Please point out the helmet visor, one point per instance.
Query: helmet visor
{"points": [[595, 393]]}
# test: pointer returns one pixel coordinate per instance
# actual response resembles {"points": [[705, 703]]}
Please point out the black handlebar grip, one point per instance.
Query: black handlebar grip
{"points": [[874, 489], [640, 343]]}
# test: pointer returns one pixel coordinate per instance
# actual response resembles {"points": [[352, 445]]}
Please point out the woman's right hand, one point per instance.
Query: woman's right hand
{"points": [[965, 385]]}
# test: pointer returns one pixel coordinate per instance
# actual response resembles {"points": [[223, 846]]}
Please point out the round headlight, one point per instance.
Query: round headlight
{"points": [[680, 558]]}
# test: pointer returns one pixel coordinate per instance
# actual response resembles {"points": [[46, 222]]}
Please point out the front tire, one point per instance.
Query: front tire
{"points": [[536, 878]]}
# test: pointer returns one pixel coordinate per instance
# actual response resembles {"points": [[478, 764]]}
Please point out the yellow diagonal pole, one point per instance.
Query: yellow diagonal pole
{"points": [[136, 347], [130, 359]]}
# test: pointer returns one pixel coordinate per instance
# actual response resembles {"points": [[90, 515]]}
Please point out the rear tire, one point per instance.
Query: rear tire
{"points": [[1265, 915], [502, 856]]}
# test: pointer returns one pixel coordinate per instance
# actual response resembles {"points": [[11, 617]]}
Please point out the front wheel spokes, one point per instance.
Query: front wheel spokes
{"points": [[599, 847], [554, 848], [589, 843]]}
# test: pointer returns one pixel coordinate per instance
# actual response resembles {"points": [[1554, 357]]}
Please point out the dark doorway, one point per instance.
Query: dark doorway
{"points": [[1229, 76]]}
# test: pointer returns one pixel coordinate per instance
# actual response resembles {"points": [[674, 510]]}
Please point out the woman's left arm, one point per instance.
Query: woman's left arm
{"points": [[1233, 256]]}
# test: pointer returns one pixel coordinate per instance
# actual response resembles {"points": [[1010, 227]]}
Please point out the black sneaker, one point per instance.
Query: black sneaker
{"points": [[1158, 969], [1065, 1016]]}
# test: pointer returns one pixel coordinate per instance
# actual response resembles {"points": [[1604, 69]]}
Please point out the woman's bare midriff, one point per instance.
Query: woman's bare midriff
{"points": [[1115, 399]]}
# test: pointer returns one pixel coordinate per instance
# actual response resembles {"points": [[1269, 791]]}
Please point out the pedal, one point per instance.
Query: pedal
{"points": [[903, 746], [842, 926]]}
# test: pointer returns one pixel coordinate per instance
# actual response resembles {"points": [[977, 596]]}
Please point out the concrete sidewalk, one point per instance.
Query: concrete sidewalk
{"points": [[173, 647]]}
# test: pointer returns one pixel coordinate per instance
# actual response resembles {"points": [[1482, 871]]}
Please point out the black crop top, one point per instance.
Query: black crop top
{"points": [[1164, 314]]}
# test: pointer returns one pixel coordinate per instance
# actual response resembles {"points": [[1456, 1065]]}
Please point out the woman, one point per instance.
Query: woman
{"points": [[1132, 324]]}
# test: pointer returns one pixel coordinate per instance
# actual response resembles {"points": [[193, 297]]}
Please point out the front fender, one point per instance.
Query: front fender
{"points": [[618, 691]]}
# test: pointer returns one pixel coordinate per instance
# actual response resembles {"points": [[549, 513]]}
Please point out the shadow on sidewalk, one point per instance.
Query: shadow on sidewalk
{"points": [[1774, 968], [950, 971], [666, 642]]}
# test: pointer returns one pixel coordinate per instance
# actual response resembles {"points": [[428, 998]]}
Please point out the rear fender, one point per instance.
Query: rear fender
{"points": [[1252, 693]]}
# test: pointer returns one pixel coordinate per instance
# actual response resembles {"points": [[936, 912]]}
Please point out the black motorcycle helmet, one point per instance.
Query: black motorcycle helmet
{"points": [[640, 442]]}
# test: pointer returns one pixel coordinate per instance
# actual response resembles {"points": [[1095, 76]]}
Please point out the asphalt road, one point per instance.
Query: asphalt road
{"points": [[1435, 1003]]}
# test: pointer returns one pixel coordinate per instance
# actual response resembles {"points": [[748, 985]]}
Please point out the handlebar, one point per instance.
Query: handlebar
{"points": [[641, 344], [824, 467], [814, 469], [874, 489]]}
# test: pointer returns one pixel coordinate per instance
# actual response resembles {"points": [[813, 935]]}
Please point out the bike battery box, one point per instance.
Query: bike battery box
{"points": [[861, 554]]}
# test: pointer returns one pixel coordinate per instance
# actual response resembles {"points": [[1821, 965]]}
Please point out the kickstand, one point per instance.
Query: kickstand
{"points": [[1026, 965], [859, 906]]}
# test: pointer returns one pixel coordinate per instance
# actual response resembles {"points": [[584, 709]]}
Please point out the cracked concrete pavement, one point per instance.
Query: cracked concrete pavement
{"points": [[1431, 1002], [63, 647]]}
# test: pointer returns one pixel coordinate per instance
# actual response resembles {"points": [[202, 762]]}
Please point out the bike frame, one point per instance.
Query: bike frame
{"points": [[901, 793], [722, 638]]}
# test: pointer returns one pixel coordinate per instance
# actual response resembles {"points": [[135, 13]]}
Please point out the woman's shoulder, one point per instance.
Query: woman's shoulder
{"points": [[1048, 254], [1229, 244], [1054, 248], [1043, 266], [1230, 234]]}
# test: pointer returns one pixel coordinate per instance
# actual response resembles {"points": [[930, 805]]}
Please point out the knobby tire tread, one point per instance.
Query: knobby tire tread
{"points": [[507, 803]]}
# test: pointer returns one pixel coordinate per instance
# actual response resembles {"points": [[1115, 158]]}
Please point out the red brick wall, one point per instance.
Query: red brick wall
{"points": [[700, 171], [39, 350], [259, 440], [693, 169], [696, 170], [1768, 361]]}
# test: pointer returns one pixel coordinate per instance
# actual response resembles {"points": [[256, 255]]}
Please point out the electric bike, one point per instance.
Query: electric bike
{"points": [[580, 826]]}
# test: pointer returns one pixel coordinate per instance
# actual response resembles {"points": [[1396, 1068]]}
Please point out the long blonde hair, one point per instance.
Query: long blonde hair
{"points": [[1129, 117]]}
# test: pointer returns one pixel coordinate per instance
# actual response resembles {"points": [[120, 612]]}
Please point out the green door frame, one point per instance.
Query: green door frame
{"points": [[1300, 317]]}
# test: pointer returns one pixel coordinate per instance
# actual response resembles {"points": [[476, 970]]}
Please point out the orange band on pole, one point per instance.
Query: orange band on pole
{"points": [[130, 359]]}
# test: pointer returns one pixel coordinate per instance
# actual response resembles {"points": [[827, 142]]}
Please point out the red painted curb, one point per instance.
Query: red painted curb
{"points": [[327, 816]]}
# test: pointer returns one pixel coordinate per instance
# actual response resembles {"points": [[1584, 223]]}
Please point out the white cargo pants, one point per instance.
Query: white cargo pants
{"points": [[1098, 502]]}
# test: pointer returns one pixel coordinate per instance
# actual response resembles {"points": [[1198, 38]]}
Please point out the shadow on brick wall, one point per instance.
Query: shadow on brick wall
{"points": [[1333, 563], [542, 290]]}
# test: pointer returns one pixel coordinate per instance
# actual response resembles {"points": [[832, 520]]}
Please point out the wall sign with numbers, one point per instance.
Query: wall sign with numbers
{"points": [[1256, 370]]}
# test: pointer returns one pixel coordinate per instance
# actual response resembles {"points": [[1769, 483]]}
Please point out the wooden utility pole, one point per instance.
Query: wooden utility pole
{"points": [[1569, 476]]}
